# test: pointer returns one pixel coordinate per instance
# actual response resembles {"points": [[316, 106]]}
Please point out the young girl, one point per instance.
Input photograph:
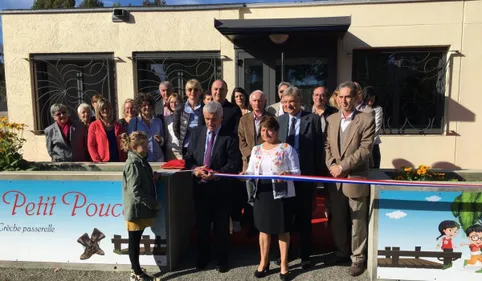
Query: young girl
{"points": [[448, 229], [140, 198]]}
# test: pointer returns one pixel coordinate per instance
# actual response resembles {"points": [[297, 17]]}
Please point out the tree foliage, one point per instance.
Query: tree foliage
{"points": [[116, 4], [154, 3], [467, 207], [91, 4], [53, 4]]}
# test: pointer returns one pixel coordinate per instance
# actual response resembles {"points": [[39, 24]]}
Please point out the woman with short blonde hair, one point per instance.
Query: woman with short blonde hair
{"points": [[129, 112], [188, 115], [173, 149]]}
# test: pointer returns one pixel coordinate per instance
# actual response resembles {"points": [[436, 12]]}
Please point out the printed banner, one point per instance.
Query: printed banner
{"points": [[73, 221], [434, 235]]}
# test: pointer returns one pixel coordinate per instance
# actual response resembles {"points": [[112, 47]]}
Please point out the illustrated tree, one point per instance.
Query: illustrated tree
{"points": [[53, 4], [467, 207], [153, 3], [91, 4]]}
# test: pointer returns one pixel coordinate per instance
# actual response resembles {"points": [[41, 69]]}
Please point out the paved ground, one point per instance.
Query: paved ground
{"points": [[242, 269]]}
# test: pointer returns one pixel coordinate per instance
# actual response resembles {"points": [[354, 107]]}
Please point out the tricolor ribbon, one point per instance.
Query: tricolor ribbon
{"points": [[318, 179], [350, 180]]}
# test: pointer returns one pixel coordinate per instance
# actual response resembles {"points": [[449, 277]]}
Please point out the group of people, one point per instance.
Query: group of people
{"points": [[284, 139], [337, 137]]}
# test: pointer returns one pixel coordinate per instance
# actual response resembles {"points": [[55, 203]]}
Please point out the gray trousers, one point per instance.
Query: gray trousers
{"points": [[345, 211]]}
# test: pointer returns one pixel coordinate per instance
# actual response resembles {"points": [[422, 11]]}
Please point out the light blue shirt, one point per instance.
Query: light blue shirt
{"points": [[193, 121], [297, 130], [207, 140], [156, 127]]}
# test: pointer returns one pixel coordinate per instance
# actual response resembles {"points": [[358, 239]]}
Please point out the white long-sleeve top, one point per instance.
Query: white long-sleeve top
{"points": [[378, 123], [271, 162]]}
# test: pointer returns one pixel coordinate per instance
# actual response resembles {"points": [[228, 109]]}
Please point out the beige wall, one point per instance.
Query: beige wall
{"points": [[455, 24]]}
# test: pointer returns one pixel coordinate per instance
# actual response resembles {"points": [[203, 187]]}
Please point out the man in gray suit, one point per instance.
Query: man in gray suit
{"points": [[277, 108], [349, 143], [302, 130]]}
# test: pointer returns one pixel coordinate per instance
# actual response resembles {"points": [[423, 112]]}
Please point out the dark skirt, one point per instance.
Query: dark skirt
{"points": [[272, 216]]}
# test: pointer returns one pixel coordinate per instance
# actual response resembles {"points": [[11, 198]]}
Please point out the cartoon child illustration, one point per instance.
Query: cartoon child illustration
{"points": [[447, 229], [474, 234]]}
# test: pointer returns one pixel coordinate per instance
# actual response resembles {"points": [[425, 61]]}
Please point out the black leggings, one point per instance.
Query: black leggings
{"points": [[134, 250]]}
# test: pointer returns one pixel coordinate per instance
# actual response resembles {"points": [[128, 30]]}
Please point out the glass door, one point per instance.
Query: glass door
{"points": [[263, 72], [256, 74]]}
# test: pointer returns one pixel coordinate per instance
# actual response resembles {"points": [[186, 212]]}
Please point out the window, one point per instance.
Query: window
{"points": [[410, 84], [178, 68], [71, 80]]}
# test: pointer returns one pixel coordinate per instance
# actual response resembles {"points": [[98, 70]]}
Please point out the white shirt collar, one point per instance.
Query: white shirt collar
{"points": [[349, 118]]}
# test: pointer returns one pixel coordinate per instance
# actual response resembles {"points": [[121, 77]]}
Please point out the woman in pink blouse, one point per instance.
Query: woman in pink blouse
{"points": [[273, 212]]}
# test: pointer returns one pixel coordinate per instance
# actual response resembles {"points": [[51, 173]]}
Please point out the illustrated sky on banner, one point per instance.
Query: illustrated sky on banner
{"points": [[71, 221], [410, 219]]}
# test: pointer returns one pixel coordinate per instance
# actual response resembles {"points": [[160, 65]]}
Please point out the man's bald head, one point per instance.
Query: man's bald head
{"points": [[257, 100]]}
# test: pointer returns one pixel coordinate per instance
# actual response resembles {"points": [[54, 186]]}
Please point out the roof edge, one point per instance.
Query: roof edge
{"points": [[131, 9], [220, 6], [340, 2]]}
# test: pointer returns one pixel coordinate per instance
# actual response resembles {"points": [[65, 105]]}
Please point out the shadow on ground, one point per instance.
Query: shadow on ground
{"points": [[243, 262]]}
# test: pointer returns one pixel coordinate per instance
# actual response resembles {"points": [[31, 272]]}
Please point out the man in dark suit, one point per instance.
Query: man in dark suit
{"points": [[231, 112], [322, 109], [302, 130], [213, 148], [231, 115]]}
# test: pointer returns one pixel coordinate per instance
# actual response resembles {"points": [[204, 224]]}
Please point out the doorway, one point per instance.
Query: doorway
{"points": [[302, 64]]}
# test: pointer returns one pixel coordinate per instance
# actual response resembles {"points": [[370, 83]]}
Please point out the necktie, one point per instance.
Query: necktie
{"points": [[291, 133], [207, 155]]}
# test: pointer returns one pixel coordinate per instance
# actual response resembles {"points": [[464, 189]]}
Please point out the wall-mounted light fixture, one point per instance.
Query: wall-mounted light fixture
{"points": [[278, 38], [120, 15]]}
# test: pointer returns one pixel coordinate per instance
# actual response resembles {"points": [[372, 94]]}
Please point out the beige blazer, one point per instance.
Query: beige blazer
{"points": [[246, 137], [274, 108], [355, 155]]}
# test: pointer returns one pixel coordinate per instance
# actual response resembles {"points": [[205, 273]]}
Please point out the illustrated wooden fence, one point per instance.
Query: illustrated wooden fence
{"points": [[150, 246], [392, 258]]}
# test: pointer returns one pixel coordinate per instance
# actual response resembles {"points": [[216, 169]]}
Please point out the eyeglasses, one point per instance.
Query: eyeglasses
{"points": [[58, 114], [475, 238], [192, 89]]}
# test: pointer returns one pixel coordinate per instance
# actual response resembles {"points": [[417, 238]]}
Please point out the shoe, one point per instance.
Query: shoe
{"points": [[84, 240], [145, 277], [306, 264], [261, 274], [284, 277], [96, 248], [222, 268], [133, 275], [236, 226], [357, 268], [336, 260], [97, 235]]}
